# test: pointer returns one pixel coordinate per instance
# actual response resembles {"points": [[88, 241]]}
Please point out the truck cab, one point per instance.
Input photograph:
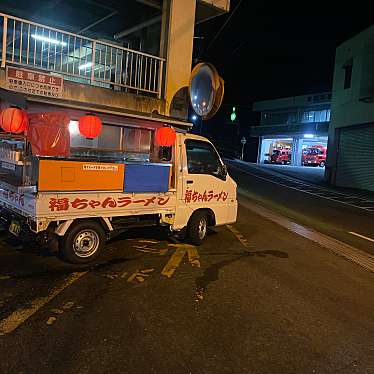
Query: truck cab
{"points": [[203, 184]]}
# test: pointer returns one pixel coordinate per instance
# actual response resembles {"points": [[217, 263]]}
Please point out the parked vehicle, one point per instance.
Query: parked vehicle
{"points": [[282, 156], [78, 198], [315, 156]]}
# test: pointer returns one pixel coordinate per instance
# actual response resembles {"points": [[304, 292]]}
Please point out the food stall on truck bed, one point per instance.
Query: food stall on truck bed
{"points": [[78, 181]]}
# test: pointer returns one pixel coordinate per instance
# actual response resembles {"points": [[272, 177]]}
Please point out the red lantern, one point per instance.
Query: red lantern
{"points": [[13, 120], [90, 126], [165, 136]]}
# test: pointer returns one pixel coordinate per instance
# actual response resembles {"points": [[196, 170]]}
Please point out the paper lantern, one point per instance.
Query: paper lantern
{"points": [[90, 126], [165, 136], [13, 120]]}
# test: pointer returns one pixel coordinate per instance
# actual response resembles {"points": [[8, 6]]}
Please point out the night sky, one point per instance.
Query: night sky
{"points": [[273, 50]]}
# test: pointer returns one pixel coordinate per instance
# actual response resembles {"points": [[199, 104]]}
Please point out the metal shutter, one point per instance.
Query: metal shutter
{"points": [[355, 166]]}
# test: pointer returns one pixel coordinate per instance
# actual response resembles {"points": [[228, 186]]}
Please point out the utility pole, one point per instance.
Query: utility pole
{"points": [[243, 141]]}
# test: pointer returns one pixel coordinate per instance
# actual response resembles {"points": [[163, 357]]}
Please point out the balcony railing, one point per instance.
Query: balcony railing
{"points": [[78, 58]]}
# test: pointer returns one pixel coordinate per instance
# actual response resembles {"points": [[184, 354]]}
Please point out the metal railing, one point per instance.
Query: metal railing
{"points": [[78, 58]]}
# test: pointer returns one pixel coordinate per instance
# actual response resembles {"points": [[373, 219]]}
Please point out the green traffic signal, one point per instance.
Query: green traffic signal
{"points": [[233, 114]]}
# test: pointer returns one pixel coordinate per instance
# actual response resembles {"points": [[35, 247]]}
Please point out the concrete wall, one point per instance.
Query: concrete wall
{"points": [[116, 100], [354, 105], [220, 4], [292, 102]]}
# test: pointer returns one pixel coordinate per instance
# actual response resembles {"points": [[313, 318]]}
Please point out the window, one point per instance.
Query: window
{"points": [[316, 116], [292, 117], [136, 140], [202, 158], [110, 138], [308, 117], [328, 114], [79, 141], [114, 142], [348, 75]]}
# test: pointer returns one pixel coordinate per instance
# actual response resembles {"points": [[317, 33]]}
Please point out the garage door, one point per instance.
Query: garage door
{"points": [[355, 166]]}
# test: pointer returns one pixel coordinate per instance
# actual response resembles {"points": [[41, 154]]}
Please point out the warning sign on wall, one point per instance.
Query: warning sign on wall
{"points": [[33, 82]]}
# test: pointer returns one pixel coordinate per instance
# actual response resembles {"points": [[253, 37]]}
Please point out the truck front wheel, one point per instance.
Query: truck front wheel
{"points": [[197, 228], [83, 242]]}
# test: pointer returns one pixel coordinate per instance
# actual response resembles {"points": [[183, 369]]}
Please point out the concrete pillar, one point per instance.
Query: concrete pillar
{"points": [[176, 46], [331, 160], [260, 150], [297, 149]]}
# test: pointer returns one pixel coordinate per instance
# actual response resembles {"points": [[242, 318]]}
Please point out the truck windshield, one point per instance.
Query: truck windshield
{"points": [[202, 158]]}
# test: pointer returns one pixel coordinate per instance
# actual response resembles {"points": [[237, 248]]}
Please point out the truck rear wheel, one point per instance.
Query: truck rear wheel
{"points": [[83, 242], [197, 228]]}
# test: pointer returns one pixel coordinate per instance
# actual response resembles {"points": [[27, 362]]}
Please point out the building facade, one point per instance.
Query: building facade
{"points": [[291, 127], [100, 64], [351, 136]]}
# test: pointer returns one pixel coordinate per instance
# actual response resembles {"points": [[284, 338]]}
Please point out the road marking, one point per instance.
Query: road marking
{"points": [[180, 250], [147, 249], [193, 256], [173, 263], [20, 316], [238, 235], [133, 276], [123, 275], [361, 236], [51, 320], [140, 275], [350, 253]]}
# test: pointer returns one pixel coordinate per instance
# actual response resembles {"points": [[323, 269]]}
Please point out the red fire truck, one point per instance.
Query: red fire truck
{"points": [[315, 156], [281, 156]]}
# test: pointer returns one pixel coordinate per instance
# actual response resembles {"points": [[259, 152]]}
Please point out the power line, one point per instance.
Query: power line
{"points": [[224, 25]]}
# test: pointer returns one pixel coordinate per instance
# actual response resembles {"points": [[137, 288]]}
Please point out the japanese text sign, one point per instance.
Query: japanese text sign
{"points": [[33, 82], [67, 204]]}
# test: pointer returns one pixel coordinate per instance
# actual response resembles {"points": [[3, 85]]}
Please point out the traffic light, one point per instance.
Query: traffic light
{"points": [[233, 114]]}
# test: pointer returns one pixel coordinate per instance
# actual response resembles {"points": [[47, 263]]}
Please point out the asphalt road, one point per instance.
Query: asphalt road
{"points": [[308, 173], [256, 297]]}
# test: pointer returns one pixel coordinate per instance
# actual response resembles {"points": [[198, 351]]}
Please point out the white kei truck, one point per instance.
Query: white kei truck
{"points": [[61, 187]]}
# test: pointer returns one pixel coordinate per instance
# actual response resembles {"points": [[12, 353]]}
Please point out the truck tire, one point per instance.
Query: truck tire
{"points": [[197, 228], [83, 242], [322, 164]]}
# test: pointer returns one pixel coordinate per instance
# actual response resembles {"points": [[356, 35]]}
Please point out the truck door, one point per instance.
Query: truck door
{"points": [[205, 180]]}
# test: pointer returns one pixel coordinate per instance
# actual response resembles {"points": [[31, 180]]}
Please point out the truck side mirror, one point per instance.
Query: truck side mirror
{"points": [[223, 171]]}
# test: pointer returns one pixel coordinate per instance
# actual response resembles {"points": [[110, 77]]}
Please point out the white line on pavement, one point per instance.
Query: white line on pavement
{"points": [[361, 236], [352, 254], [18, 317]]}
